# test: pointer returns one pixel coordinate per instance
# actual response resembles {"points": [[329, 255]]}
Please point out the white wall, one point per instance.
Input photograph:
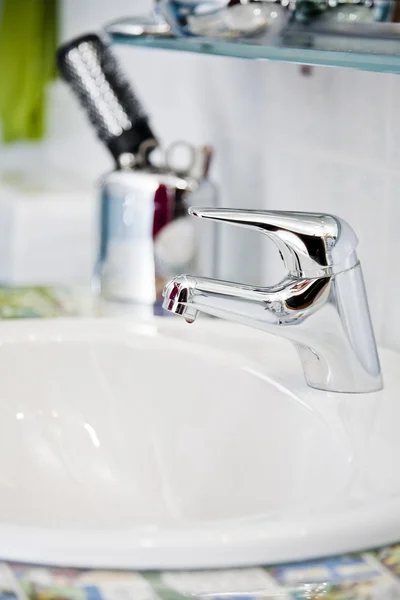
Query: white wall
{"points": [[284, 140]]}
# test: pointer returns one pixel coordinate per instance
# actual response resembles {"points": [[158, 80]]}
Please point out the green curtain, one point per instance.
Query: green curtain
{"points": [[28, 41]]}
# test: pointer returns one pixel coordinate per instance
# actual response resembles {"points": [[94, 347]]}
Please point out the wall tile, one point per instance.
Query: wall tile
{"points": [[393, 123], [336, 111], [239, 173], [390, 293]]}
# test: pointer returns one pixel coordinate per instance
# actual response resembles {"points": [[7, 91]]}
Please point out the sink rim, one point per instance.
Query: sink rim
{"points": [[244, 545], [241, 542]]}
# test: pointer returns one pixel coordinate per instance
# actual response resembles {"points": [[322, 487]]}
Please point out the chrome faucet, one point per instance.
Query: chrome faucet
{"points": [[321, 304]]}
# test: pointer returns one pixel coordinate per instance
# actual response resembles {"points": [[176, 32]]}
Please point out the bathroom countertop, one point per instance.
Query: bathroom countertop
{"points": [[369, 575]]}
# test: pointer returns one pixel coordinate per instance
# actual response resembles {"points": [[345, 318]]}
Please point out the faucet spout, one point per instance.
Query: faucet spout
{"points": [[284, 304]]}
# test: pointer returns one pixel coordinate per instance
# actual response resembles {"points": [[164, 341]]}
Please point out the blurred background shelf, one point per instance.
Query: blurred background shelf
{"points": [[363, 46]]}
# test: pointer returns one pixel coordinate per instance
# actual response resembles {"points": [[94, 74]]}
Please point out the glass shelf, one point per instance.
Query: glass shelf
{"points": [[365, 46]]}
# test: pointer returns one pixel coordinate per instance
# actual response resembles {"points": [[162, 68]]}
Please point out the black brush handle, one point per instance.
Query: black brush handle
{"points": [[89, 66]]}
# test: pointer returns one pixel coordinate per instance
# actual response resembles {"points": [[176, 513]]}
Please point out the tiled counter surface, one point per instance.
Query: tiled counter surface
{"points": [[361, 576], [35, 302], [364, 576]]}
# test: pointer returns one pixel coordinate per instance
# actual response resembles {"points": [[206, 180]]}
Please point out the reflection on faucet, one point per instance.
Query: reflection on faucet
{"points": [[321, 305]]}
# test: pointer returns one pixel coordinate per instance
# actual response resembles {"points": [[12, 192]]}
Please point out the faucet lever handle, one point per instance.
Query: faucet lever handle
{"points": [[311, 244]]}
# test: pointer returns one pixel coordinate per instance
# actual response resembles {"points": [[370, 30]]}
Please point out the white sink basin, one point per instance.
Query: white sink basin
{"points": [[161, 445]]}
